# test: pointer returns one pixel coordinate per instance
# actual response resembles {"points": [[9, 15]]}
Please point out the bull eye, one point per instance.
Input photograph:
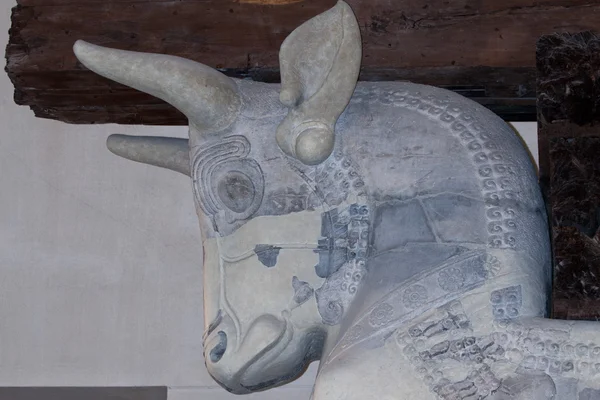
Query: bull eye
{"points": [[227, 182], [236, 191]]}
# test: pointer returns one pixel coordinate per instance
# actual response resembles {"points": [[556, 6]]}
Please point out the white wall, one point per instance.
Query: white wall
{"points": [[100, 261]]}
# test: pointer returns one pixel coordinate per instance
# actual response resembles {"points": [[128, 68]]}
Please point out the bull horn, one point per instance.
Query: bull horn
{"points": [[165, 152], [208, 98]]}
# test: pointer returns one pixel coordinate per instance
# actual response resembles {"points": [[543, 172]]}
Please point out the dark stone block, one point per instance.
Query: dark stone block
{"points": [[568, 98], [575, 210], [569, 77]]}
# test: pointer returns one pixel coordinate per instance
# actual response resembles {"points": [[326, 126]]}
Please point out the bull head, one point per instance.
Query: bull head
{"points": [[341, 219], [250, 149]]}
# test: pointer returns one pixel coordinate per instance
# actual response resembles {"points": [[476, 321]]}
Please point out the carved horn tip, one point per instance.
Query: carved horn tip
{"points": [[210, 99], [79, 45], [114, 143], [81, 48], [164, 152]]}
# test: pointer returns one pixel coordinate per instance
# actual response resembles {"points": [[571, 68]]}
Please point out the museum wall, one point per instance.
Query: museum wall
{"points": [[100, 261]]}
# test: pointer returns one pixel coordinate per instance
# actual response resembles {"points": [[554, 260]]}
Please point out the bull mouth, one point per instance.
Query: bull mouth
{"points": [[298, 370], [314, 352], [248, 360], [263, 361]]}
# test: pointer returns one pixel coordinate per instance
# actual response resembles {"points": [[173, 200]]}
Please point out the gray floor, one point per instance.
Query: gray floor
{"points": [[57, 393]]}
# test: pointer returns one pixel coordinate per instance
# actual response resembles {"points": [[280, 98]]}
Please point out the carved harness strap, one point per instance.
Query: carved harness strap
{"points": [[446, 283]]}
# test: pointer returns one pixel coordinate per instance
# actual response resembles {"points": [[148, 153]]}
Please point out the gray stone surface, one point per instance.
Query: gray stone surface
{"points": [[413, 212]]}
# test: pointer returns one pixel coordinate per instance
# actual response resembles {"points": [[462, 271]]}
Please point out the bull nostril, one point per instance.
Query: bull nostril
{"points": [[217, 352]]}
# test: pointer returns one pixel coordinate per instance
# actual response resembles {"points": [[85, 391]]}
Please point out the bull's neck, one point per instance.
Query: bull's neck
{"points": [[402, 284]]}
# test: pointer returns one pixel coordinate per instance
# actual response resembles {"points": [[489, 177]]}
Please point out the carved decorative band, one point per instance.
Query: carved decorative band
{"points": [[442, 285]]}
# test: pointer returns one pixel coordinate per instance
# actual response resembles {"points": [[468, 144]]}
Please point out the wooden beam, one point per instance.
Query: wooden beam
{"points": [[569, 143], [485, 50]]}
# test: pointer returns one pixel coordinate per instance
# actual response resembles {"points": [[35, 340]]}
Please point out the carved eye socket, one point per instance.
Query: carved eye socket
{"points": [[236, 191], [227, 181]]}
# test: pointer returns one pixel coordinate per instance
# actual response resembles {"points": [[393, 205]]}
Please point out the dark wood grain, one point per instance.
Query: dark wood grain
{"points": [[568, 92], [577, 309], [484, 49], [575, 210]]}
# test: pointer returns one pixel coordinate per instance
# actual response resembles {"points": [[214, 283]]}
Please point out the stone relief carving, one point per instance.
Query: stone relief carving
{"points": [[407, 219], [506, 302]]}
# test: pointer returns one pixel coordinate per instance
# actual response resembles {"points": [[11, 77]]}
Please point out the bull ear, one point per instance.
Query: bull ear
{"points": [[320, 63]]}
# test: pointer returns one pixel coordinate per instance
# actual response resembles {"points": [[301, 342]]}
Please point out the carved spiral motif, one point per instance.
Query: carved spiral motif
{"points": [[337, 179], [494, 227], [485, 171], [494, 213], [331, 311], [335, 310], [495, 241]]}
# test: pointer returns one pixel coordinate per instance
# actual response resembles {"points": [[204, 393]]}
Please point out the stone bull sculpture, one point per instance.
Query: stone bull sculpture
{"points": [[393, 231]]}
